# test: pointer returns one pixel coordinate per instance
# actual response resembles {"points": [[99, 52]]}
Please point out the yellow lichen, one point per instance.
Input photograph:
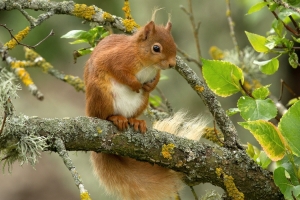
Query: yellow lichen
{"points": [[18, 64], [99, 130], [107, 16], [19, 37], [128, 22], [126, 9], [24, 76], [231, 189], [213, 135], [84, 11], [199, 88], [37, 59], [167, 151], [85, 196], [216, 53], [75, 81]]}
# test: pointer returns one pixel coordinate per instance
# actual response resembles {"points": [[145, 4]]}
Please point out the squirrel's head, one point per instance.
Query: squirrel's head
{"points": [[156, 45]]}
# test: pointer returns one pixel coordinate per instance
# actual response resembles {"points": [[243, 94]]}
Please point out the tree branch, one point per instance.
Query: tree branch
{"points": [[198, 161], [211, 101], [90, 13]]}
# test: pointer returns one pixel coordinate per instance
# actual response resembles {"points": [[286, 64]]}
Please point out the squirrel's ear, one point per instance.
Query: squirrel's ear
{"points": [[148, 29], [169, 26]]}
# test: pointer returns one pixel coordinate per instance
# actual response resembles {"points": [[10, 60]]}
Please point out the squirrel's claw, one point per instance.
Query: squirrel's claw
{"points": [[120, 121], [138, 125]]}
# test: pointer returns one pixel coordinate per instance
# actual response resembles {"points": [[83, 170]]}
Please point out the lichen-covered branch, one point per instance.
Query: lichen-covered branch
{"points": [[89, 13], [62, 152], [199, 162]]}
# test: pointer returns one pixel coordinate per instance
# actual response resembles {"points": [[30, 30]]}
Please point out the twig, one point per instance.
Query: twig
{"points": [[231, 26], [3, 122], [283, 83], [244, 89], [25, 45], [286, 5], [50, 34], [13, 37], [61, 150], [189, 58], [284, 24], [195, 28], [167, 103], [24, 77], [194, 193]]}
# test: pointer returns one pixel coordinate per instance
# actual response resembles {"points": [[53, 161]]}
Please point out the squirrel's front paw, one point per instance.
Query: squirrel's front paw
{"points": [[120, 121], [138, 125], [149, 86]]}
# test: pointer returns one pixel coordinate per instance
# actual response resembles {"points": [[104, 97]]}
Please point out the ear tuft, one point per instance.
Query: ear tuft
{"points": [[168, 26]]}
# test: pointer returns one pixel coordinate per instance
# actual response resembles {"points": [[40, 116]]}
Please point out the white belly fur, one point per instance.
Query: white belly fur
{"points": [[126, 101]]}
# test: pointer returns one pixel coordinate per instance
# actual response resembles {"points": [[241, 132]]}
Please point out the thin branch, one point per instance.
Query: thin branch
{"points": [[210, 100], [284, 24], [189, 58], [3, 123], [13, 37], [194, 193], [167, 102], [231, 26], [286, 5], [194, 27], [62, 152]]}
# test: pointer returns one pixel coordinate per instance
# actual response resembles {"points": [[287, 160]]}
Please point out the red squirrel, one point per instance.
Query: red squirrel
{"points": [[119, 75], [123, 70]]}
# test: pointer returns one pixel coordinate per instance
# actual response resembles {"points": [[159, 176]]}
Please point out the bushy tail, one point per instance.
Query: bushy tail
{"points": [[133, 180]]}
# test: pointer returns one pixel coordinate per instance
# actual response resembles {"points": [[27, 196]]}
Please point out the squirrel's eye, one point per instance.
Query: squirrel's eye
{"points": [[156, 48]]}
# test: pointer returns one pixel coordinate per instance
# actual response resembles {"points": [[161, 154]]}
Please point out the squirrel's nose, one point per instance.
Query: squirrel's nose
{"points": [[172, 62]]}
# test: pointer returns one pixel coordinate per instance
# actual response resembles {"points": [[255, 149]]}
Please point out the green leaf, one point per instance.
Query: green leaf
{"points": [[257, 7], [273, 6], [258, 42], [268, 67], [292, 101], [79, 41], [264, 160], [155, 100], [261, 93], [278, 27], [293, 60], [85, 51], [232, 111], [289, 126], [293, 2], [222, 77], [254, 109], [287, 189], [260, 157], [286, 162], [268, 137], [296, 39], [73, 34]]}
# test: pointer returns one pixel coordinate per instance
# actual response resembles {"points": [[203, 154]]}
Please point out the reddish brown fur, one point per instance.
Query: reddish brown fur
{"points": [[121, 57]]}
